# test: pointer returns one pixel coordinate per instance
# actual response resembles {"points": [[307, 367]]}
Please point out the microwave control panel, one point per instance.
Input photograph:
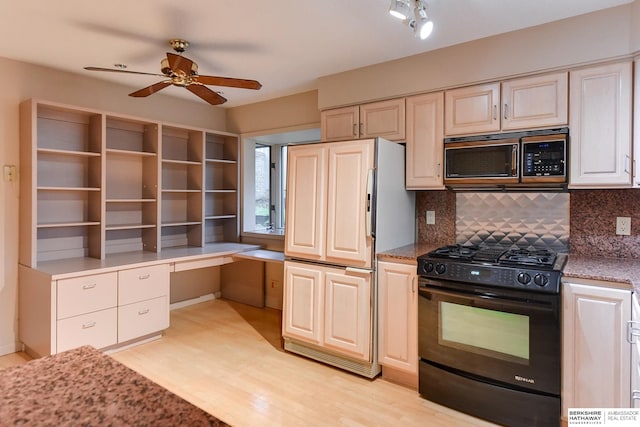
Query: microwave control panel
{"points": [[544, 158]]}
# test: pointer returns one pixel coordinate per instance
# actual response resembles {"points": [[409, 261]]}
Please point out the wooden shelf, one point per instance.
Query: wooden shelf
{"points": [[221, 161], [181, 162], [130, 200], [130, 152], [93, 183], [68, 189], [180, 223], [128, 226], [68, 224], [68, 152]]}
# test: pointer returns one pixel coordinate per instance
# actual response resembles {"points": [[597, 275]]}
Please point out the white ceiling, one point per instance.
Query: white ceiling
{"points": [[285, 44]]}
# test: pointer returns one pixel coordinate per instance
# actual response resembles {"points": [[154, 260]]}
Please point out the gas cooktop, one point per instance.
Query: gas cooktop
{"points": [[537, 269]]}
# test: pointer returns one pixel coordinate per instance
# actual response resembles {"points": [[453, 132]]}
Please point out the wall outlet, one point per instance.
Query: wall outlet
{"points": [[623, 226], [431, 217]]}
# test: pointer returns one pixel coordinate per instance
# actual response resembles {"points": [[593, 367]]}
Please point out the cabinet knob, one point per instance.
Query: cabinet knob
{"points": [[505, 111], [88, 286], [144, 276]]}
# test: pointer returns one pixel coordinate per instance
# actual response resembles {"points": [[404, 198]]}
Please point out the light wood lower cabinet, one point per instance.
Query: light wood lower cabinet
{"points": [[329, 308], [635, 352], [595, 351], [102, 309], [398, 320]]}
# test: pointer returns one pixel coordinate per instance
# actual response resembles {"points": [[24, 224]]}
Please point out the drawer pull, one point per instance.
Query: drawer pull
{"points": [[144, 276], [143, 312], [89, 286], [88, 325]]}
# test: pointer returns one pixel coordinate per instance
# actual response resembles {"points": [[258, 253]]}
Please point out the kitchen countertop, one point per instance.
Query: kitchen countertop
{"points": [[622, 271]]}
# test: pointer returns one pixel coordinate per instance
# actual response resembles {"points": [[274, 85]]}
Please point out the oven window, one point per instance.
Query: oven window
{"points": [[491, 333]]}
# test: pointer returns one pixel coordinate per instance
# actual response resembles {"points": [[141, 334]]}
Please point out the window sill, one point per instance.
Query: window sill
{"points": [[277, 234]]}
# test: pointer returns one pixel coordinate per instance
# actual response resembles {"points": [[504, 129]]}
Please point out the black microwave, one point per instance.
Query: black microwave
{"points": [[533, 157]]}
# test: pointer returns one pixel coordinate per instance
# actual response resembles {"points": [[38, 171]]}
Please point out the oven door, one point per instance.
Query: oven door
{"points": [[501, 335]]}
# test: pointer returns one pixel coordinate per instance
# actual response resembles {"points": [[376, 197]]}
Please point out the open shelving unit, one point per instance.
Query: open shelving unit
{"points": [[95, 183]]}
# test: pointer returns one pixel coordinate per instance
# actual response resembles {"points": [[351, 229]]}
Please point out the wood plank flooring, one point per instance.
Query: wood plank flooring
{"points": [[227, 358]]}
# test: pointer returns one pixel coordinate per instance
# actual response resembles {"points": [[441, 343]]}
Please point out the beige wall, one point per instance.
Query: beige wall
{"points": [[605, 34], [23, 81], [281, 113]]}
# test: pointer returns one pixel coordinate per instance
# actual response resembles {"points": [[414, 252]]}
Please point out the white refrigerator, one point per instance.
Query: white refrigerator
{"points": [[346, 201]]}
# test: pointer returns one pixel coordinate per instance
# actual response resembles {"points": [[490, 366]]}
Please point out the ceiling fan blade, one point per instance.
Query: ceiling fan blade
{"points": [[207, 94], [228, 81], [179, 62], [150, 89], [114, 70]]}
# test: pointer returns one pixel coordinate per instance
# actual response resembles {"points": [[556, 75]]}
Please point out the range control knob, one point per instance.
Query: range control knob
{"points": [[524, 278], [540, 280], [440, 268], [428, 267]]}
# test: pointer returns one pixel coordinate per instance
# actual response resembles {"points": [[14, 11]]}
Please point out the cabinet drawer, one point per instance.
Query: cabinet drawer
{"points": [[86, 294], [98, 329], [139, 284], [142, 318]]}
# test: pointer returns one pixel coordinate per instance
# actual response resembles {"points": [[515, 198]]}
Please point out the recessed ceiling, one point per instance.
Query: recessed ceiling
{"points": [[284, 44]]}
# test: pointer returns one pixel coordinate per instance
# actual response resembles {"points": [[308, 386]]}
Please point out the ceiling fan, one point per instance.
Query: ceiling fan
{"points": [[181, 71]]}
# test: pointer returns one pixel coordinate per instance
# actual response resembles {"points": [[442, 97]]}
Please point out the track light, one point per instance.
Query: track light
{"points": [[400, 9], [418, 21]]}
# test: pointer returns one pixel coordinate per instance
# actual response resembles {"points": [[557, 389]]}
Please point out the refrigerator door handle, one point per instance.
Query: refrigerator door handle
{"points": [[368, 218], [358, 271]]}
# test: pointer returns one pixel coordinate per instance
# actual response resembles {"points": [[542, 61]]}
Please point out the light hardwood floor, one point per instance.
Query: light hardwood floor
{"points": [[227, 358]]}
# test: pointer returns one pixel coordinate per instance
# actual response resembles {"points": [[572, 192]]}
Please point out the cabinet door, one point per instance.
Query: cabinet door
{"points": [[535, 102], [425, 141], [398, 316], [636, 123], [385, 119], [347, 313], [340, 123], [303, 303], [596, 354], [600, 123], [348, 241], [473, 109], [306, 201], [635, 354]]}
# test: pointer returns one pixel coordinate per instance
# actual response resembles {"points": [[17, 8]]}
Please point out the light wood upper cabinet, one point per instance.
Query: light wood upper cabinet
{"points": [[340, 124], [424, 156], [398, 317], [385, 119], [473, 109], [600, 123], [523, 103], [596, 353], [532, 102], [326, 208]]}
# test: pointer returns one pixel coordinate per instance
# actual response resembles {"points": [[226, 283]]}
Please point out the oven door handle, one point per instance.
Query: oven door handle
{"points": [[492, 302]]}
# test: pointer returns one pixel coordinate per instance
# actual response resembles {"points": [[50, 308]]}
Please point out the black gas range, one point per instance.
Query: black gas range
{"points": [[489, 332], [537, 270]]}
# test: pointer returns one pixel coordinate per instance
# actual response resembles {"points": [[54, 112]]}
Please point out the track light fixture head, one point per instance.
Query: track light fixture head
{"points": [[414, 14]]}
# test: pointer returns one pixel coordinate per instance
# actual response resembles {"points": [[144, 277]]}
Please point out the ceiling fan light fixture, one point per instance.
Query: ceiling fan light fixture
{"points": [[400, 9]]}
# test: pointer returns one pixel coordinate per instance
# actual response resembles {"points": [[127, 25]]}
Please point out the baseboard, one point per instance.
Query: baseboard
{"points": [[10, 348], [192, 301]]}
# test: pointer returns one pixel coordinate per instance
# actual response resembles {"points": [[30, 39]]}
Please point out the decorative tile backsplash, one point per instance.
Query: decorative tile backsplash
{"points": [[527, 219]]}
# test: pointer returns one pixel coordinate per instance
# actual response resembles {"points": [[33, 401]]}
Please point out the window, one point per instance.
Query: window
{"points": [[265, 179], [262, 185]]}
